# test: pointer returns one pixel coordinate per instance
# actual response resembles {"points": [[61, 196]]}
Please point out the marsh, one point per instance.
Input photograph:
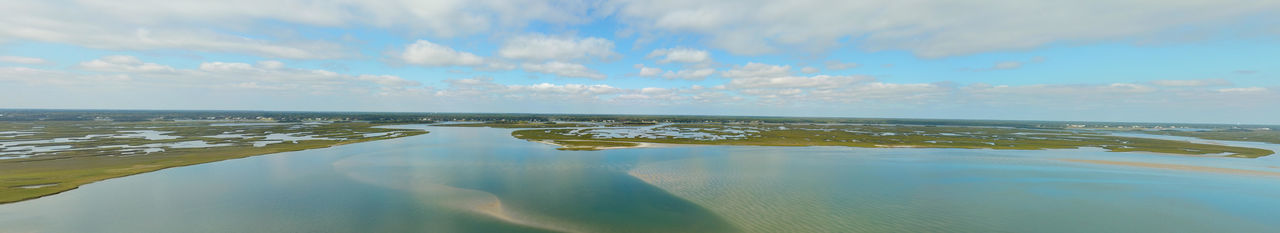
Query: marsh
{"points": [[458, 179]]}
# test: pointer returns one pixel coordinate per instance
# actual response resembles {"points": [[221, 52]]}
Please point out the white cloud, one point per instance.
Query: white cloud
{"points": [[274, 75], [497, 65], [388, 80], [425, 53], [755, 70], [225, 66], [934, 28], [269, 64], [809, 70], [681, 55], [759, 75], [114, 35], [539, 47], [232, 85], [1192, 83], [24, 60], [1243, 90], [690, 74], [686, 74], [45, 78], [819, 81], [484, 88], [131, 72], [564, 69], [569, 89], [648, 71], [232, 26], [120, 63]]}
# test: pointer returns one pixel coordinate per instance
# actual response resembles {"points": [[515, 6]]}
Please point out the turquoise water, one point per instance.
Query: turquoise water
{"points": [[483, 180]]}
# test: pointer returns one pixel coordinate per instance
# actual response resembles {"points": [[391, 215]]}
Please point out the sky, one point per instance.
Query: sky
{"points": [[1184, 61]]}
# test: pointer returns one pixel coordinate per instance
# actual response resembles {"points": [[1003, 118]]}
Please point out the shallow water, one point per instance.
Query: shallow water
{"points": [[483, 180]]}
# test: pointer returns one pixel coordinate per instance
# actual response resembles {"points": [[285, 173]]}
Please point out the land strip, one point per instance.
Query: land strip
{"points": [[880, 136], [48, 157]]}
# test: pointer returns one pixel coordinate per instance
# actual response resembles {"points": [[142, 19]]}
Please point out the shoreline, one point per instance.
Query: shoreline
{"points": [[130, 171], [594, 148], [859, 136], [877, 146]]}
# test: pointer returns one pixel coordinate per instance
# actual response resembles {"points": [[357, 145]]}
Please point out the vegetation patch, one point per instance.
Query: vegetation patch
{"points": [[888, 136], [90, 151], [591, 144], [1244, 135]]}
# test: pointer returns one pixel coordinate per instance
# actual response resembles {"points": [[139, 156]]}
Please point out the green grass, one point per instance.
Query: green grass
{"points": [[85, 163], [1267, 136], [590, 145], [916, 136]]}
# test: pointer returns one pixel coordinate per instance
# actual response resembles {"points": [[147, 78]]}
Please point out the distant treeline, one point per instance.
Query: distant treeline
{"points": [[406, 117]]}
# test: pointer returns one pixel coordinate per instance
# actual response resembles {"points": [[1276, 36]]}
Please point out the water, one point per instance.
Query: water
{"points": [[483, 180], [19, 149], [148, 134]]}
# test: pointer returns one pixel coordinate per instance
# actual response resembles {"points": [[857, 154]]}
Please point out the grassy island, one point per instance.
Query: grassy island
{"points": [[1244, 135], [47, 157], [980, 137]]}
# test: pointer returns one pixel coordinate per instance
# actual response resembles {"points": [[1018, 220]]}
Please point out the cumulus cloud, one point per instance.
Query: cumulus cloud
{"points": [[646, 71], [751, 27], [809, 70], [538, 47], [947, 28], [51, 22], [755, 70], [819, 81], [486, 88], [45, 78], [753, 77], [221, 26], [759, 93], [388, 80], [690, 74], [1068, 101], [274, 75], [759, 75], [132, 72], [24, 60], [685, 74], [564, 69], [566, 89], [425, 53], [1243, 90], [1192, 83], [681, 55], [120, 63], [480, 89]]}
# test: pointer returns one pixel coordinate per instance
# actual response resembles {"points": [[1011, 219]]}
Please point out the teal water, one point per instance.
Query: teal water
{"points": [[483, 180]]}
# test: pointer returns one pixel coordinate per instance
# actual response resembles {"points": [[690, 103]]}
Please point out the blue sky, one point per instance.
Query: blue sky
{"points": [[1128, 60]]}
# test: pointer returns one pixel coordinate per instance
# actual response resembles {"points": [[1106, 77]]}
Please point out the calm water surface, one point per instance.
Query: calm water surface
{"points": [[483, 180]]}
